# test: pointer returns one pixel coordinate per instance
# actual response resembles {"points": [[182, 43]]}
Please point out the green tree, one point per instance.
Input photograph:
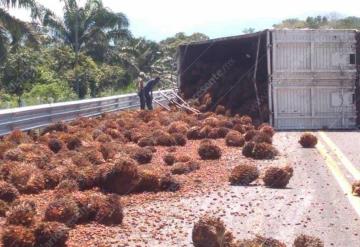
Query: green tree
{"points": [[292, 23], [351, 22], [90, 29], [113, 78], [171, 44], [319, 22], [20, 71], [50, 92], [138, 55], [14, 32], [249, 30], [85, 76]]}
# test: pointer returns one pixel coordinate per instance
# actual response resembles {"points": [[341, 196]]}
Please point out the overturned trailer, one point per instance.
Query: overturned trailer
{"points": [[294, 79]]}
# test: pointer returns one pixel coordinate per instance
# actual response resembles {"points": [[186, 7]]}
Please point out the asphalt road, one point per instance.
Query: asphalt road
{"points": [[317, 201]]}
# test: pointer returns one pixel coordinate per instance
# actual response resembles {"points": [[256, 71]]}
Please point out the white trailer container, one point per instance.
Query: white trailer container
{"points": [[309, 76], [312, 78]]}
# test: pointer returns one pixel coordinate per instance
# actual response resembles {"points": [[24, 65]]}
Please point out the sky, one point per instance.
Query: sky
{"points": [[159, 19]]}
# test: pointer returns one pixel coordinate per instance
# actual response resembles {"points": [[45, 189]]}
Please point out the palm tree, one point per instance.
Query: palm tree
{"points": [[14, 32], [137, 55], [88, 28]]}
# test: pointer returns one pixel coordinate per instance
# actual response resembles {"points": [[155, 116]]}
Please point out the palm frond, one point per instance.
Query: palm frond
{"points": [[18, 3], [17, 29], [4, 41], [56, 26], [37, 10]]}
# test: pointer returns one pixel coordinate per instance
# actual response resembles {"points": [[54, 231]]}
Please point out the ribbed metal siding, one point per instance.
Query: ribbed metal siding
{"points": [[312, 79]]}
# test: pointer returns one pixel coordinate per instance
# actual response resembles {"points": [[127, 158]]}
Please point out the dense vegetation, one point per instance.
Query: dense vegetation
{"points": [[90, 52], [87, 52]]}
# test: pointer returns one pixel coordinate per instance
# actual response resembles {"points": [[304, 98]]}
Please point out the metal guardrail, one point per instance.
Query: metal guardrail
{"points": [[32, 117]]}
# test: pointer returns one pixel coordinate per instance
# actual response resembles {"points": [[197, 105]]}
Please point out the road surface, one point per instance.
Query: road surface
{"points": [[317, 202]]}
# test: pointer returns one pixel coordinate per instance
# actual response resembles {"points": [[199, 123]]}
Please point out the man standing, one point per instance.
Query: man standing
{"points": [[147, 92], [140, 86]]}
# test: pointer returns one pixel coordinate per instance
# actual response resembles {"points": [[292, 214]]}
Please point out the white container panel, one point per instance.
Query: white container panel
{"points": [[313, 79]]}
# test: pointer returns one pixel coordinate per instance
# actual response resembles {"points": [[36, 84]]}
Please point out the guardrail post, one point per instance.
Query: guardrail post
{"points": [[50, 115], [100, 108], [118, 103], [79, 111]]}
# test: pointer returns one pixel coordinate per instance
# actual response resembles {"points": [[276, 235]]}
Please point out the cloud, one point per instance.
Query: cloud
{"points": [[158, 19]]}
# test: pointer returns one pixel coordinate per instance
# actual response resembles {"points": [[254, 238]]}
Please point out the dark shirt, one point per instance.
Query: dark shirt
{"points": [[150, 85]]}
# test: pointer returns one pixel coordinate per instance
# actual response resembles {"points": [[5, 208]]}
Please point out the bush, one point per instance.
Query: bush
{"points": [[185, 167], [64, 210], [244, 174], [169, 159], [51, 234], [180, 139], [248, 148], [308, 241], [308, 140], [356, 188], [8, 192], [22, 213], [209, 151], [148, 182], [18, 236], [168, 183], [277, 177], [263, 151], [194, 133], [211, 232], [120, 178], [55, 145], [234, 139], [142, 155]]}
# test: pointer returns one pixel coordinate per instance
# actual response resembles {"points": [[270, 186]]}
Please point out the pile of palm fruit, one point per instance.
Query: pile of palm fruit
{"points": [[90, 162]]}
